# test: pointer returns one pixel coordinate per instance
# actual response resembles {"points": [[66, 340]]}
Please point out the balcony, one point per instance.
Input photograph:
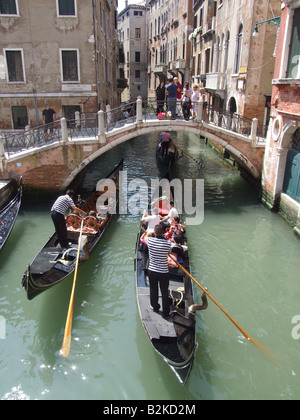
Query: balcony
{"points": [[216, 82], [180, 64], [160, 69]]}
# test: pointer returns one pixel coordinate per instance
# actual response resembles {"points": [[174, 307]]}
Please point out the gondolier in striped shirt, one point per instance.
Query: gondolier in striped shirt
{"points": [[58, 210], [158, 270]]}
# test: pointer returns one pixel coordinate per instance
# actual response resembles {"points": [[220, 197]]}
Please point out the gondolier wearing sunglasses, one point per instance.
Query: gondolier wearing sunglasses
{"points": [[58, 210]]}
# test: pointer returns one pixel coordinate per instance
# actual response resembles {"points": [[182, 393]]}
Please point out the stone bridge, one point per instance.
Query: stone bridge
{"points": [[53, 164]]}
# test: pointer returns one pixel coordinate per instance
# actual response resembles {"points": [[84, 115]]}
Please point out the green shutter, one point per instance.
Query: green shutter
{"points": [[294, 58], [292, 175], [66, 7], [8, 7]]}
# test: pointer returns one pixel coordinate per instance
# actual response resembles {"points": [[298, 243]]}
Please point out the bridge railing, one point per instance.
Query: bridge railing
{"points": [[120, 116], [229, 121], [88, 126], [17, 141]]}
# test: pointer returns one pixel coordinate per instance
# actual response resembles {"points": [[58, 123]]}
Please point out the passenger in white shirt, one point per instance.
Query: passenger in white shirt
{"points": [[167, 220], [152, 220]]}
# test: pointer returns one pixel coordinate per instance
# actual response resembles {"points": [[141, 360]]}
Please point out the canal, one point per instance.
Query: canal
{"points": [[246, 256]]}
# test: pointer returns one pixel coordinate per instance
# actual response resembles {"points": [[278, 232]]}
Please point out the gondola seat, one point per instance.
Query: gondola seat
{"points": [[73, 222], [91, 224]]}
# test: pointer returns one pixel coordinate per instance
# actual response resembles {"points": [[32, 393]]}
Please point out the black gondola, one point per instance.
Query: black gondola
{"points": [[54, 264], [9, 214], [173, 339]]}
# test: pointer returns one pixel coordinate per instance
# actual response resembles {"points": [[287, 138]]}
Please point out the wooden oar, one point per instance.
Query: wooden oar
{"points": [[246, 335], [191, 157], [68, 328]]}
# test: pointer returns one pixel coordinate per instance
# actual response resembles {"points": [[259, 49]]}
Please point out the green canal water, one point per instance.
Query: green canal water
{"points": [[246, 256]]}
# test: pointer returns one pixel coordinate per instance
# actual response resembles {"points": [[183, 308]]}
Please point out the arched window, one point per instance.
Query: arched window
{"points": [[183, 45], [175, 48], [218, 54], [238, 50], [226, 49]]}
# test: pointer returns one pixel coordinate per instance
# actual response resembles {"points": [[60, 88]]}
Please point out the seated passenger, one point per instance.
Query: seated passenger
{"points": [[152, 220]]}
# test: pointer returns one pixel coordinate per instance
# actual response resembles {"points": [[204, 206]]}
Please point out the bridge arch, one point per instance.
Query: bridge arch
{"points": [[55, 166], [115, 139]]}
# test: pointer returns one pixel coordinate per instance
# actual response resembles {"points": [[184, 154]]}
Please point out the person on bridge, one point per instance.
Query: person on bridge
{"points": [[171, 97], [178, 94], [195, 98], [58, 210], [186, 101], [49, 116], [160, 93]]}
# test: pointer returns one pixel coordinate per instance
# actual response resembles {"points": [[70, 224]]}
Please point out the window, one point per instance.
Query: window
{"points": [[238, 50], [137, 74], [137, 57], [8, 7], [293, 70], [14, 65], [138, 33], [69, 65], [19, 116], [66, 8]]}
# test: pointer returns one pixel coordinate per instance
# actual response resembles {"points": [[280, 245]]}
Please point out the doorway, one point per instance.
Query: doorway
{"points": [[291, 184]]}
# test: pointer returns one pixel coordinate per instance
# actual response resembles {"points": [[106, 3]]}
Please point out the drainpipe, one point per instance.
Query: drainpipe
{"points": [[96, 50]]}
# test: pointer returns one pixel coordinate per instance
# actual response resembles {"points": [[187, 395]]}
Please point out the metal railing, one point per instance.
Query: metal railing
{"points": [[17, 141], [88, 125], [85, 127], [229, 121]]}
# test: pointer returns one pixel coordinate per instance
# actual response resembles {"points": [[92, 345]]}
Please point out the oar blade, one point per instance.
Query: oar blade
{"points": [[66, 345], [68, 328]]}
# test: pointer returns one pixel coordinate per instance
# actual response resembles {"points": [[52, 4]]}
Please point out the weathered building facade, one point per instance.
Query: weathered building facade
{"points": [[281, 174], [133, 35], [61, 52], [235, 67], [170, 23]]}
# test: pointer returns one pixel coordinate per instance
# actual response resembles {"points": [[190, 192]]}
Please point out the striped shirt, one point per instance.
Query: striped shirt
{"points": [[62, 204], [158, 254]]}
